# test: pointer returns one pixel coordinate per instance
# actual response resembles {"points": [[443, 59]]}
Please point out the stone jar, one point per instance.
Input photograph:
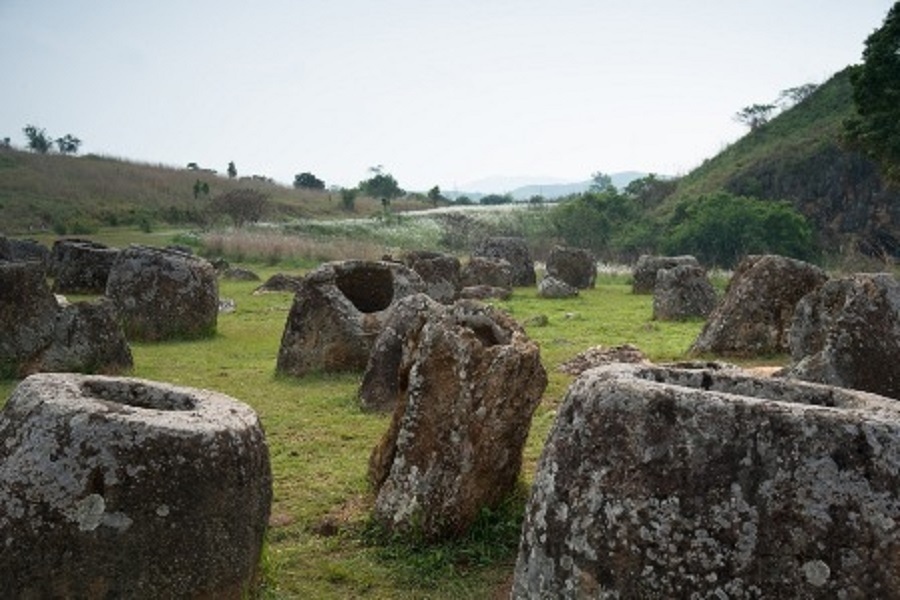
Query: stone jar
{"points": [[674, 483], [125, 488]]}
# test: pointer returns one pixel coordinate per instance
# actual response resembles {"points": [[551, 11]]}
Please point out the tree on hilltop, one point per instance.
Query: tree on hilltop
{"points": [[68, 144], [308, 181], [38, 140], [755, 115], [232, 170], [876, 131]]}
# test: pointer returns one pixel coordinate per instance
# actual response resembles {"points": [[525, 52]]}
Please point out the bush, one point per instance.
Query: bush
{"points": [[722, 228]]}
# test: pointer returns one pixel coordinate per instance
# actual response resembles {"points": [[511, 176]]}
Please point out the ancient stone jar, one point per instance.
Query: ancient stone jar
{"points": [[551, 287], [754, 317], [484, 271], [27, 314], [338, 311], [644, 272], [81, 266], [126, 488], [670, 483], [465, 381], [164, 294], [513, 250], [682, 292], [847, 333], [575, 266], [440, 272]]}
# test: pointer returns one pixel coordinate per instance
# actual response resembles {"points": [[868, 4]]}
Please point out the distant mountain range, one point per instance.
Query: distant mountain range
{"points": [[524, 188]]}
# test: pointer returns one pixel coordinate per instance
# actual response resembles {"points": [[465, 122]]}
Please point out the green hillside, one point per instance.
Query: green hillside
{"points": [[76, 194], [799, 156]]}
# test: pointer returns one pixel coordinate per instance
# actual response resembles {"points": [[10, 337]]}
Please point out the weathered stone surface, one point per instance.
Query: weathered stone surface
{"points": [[27, 314], [575, 266], [338, 312], [683, 292], [280, 282], [468, 381], [515, 251], [164, 294], [18, 250], [667, 483], [124, 488], [755, 315], [484, 271], [644, 273], [484, 292], [598, 355], [87, 338], [551, 287], [381, 384], [847, 333], [81, 266], [440, 272]]}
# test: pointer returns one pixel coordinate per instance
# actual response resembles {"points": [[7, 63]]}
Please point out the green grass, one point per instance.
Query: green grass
{"points": [[320, 442]]}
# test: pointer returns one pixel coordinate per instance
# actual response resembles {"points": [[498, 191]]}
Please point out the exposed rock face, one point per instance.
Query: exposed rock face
{"points": [[338, 312], [682, 293], [575, 266], [440, 272], [847, 333], [667, 483], [27, 314], [515, 251], [164, 294], [551, 287], [647, 266], [124, 488], [468, 381], [87, 338], [81, 266], [755, 315], [279, 282], [483, 271]]}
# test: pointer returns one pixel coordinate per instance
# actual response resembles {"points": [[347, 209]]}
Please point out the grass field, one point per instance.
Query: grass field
{"points": [[320, 543]]}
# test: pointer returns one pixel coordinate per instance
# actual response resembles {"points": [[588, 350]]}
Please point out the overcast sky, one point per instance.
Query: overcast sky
{"points": [[439, 92]]}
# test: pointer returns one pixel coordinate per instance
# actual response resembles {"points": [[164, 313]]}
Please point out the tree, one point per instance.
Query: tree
{"points": [[434, 195], [876, 131], [38, 140], [601, 182], [496, 199], [68, 144], [796, 95], [381, 185], [308, 181], [232, 170], [755, 115], [242, 205], [650, 191]]}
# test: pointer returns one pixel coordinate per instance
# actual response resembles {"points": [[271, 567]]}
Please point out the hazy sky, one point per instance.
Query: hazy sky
{"points": [[437, 91]]}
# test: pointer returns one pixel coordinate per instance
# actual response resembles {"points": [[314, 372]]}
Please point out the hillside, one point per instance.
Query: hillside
{"points": [[75, 194], [799, 157]]}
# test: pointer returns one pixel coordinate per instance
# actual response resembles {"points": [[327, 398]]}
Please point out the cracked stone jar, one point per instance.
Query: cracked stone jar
{"points": [[125, 488]]}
